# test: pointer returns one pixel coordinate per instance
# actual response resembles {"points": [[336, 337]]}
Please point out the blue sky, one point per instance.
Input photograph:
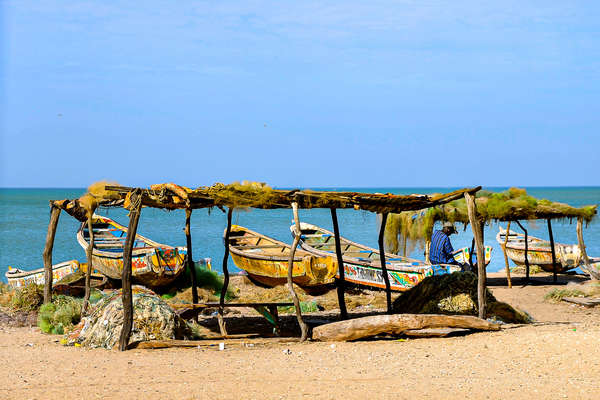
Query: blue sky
{"points": [[300, 94]]}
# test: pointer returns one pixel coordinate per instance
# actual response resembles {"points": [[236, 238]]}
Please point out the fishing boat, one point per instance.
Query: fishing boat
{"points": [[266, 261], [463, 255], [539, 251], [19, 278], [362, 265], [152, 264]]}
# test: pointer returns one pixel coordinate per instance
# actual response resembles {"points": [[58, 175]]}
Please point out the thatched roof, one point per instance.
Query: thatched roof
{"points": [[170, 196], [511, 205]]}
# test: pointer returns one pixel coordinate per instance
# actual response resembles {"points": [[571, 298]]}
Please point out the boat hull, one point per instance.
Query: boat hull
{"points": [[366, 271], [307, 272], [18, 278], [400, 280], [539, 252], [152, 264], [266, 261], [147, 269]]}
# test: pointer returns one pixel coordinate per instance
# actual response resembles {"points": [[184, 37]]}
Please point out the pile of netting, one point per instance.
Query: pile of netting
{"points": [[153, 319], [454, 294]]}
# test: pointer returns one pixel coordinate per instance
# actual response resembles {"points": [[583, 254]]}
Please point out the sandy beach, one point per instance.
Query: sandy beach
{"points": [[557, 357]]}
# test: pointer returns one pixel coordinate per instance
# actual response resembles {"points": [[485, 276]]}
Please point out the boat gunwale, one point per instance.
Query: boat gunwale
{"points": [[347, 259], [259, 256], [119, 254]]}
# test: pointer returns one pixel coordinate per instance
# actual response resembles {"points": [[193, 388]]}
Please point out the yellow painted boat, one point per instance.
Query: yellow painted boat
{"points": [[266, 261], [153, 264]]}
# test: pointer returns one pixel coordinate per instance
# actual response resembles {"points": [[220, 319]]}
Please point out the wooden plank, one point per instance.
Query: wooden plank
{"points": [[582, 301], [396, 324], [230, 305]]}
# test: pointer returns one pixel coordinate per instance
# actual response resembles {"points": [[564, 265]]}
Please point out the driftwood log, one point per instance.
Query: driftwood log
{"points": [[396, 324]]}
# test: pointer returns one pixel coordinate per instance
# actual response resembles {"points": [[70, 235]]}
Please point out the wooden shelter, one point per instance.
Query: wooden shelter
{"points": [[512, 205], [170, 196]]}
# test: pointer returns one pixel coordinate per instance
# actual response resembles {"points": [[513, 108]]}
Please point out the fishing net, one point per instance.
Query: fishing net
{"points": [[153, 319]]}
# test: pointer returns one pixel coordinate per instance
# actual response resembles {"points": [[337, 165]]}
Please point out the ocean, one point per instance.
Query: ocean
{"points": [[24, 216]]}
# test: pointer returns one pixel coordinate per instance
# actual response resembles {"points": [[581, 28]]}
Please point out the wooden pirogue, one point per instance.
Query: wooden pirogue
{"points": [[266, 261], [153, 264], [361, 263], [539, 251], [18, 278]]}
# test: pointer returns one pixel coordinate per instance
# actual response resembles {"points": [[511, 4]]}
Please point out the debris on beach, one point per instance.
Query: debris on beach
{"points": [[454, 294], [153, 319]]}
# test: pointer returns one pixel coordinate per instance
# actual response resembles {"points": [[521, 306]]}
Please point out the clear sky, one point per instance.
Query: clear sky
{"points": [[300, 94]]}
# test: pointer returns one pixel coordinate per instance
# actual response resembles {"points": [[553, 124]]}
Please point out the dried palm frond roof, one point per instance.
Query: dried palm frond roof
{"points": [[256, 195], [511, 205]]}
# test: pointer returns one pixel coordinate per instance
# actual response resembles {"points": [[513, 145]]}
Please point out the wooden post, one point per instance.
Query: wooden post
{"points": [[526, 251], [341, 282], [303, 326], [384, 271], [594, 274], [478, 234], [88, 272], [471, 250], [554, 277], [506, 256], [189, 256], [134, 217], [54, 214], [222, 327]]}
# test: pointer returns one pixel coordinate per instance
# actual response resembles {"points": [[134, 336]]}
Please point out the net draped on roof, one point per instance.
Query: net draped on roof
{"points": [[243, 195], [511, 205]]}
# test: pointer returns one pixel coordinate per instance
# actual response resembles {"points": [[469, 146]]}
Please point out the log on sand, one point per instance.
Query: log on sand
{"points": [[396, 324]]}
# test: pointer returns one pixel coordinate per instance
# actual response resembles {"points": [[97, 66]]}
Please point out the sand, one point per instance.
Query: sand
{"points": [[558, 357]]}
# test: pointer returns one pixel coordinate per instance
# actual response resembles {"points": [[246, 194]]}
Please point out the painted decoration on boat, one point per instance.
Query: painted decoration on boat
{"points": [[19, 278], [462, 255], [152, 264]]}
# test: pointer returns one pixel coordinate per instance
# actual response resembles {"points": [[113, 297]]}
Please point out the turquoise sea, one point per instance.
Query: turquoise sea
{"points": [[24, 215]]}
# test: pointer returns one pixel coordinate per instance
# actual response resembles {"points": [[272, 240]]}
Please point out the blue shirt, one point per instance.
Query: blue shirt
{"points": [[440, 250]]}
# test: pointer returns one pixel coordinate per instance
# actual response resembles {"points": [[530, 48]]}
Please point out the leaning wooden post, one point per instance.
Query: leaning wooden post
{"points": [[222, 327], [384, 271], [88, 271], [506, 256], [303, 326], [478, 234], [554, 277], [594, 274], [54, 214], [526, 251], [134, 217], [341, 282], [189, 257]]}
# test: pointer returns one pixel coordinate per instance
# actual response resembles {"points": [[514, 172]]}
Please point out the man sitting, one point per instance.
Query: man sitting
{"points": [[440, 250]]}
